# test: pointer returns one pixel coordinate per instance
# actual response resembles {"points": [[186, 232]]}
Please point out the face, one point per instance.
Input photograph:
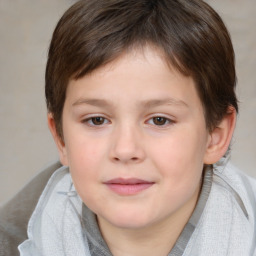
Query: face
{"points": [[135, 140]]}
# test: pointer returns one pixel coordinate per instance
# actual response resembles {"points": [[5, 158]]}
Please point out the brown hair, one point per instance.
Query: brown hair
{"points": [[189, 32]]}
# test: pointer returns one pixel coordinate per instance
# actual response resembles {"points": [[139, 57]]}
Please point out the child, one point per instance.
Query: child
{"points": [[141, 105]]}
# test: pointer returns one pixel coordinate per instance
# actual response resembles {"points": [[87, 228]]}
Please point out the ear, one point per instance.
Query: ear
{"points": [[58, 140], [220, 138]]}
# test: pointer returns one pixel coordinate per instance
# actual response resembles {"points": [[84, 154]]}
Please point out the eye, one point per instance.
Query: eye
{"points": [[96, 121], [159, 121]]}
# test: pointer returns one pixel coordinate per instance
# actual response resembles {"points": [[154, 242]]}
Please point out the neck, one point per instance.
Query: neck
{"points": [[124, 242], [156, 239]]}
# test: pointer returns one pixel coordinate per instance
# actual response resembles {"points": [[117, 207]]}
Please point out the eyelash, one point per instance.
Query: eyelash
{"points": [[164, 121]]}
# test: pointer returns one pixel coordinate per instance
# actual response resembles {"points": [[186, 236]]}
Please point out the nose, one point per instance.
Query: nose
{"points": [[127, 146]]}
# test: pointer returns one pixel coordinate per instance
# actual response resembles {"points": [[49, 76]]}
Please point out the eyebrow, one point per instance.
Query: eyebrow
{"points": [[93, 102], [146, 104], [165, 101]]}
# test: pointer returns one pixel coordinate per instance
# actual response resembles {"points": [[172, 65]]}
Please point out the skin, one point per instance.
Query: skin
{"points": [[137, 117]]}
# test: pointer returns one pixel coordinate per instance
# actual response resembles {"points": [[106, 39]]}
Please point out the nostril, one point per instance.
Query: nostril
{"points": [[132, 159]]}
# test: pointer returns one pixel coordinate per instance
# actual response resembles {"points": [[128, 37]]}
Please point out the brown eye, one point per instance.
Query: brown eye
{"points": [[98, 120], [159, 120]]}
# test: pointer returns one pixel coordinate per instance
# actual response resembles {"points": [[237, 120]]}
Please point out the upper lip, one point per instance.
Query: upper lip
{"points": [[130, 181]]}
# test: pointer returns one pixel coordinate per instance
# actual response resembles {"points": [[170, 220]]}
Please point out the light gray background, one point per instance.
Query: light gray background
{"points": [[25, 31]]}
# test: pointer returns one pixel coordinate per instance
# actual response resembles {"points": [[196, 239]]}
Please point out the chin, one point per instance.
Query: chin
{"points": [[130, 221]]}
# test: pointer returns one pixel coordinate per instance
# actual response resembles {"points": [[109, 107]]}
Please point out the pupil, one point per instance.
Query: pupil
{"points": [[98, 120], [159, 120]]}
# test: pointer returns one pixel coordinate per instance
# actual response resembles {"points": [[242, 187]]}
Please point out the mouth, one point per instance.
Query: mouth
{"points": [[126, 187]]}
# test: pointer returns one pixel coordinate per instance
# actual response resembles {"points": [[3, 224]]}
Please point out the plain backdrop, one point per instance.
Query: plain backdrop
{"points": [[26, 145]]}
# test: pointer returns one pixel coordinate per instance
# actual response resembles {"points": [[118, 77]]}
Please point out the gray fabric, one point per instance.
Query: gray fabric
{"points": [[251, 194], [227, 225], [55, 225], [97, 245], [15, 214], [187, 232]]}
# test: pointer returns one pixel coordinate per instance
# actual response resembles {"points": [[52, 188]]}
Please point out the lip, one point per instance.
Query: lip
{"points": [[126, 187]]}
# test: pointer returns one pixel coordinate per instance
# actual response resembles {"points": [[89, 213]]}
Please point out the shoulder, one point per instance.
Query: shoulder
{"points": [[237, 179], [227, 225], [238, 184], [15, 214]]}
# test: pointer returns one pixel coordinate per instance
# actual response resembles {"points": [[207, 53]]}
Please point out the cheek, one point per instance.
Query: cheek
{"points": [[180, 155], [85, 160], [84, 152], [180, 165]]}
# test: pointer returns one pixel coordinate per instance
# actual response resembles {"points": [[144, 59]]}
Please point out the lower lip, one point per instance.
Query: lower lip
{"points": [[129, 189]]}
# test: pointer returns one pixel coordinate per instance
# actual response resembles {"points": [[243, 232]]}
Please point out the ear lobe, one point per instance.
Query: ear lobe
{"points": [[58, 140], [220, 138]]}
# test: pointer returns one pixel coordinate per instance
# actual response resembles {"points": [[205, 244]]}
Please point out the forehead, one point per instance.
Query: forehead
{"points": [[138, 55], [140, 74]]}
